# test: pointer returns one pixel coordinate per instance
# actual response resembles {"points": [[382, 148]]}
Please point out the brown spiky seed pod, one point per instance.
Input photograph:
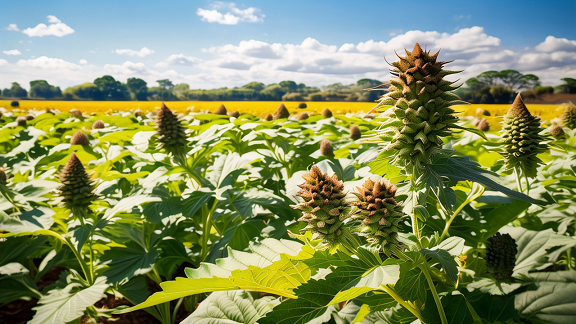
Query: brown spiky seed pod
{"points": [[326, 113], [3, 177], [75, 113], [221, 110], [568, 116], [521, 141], [323, 206], [79, 138], [557, 131], [234, 114], [269, 117], [76, 189], [138, 113], [355, 132], [378, 213], [369, 116], [171, 133], [29, 117], [281, 112], [21, 121], [326, 148], [98, 124], [303, 116], [483, 125]]}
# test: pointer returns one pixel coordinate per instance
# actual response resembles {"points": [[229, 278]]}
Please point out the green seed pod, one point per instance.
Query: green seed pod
{"points": [[326, 148], [98, 124], [234, 114], [378, 214], [323, 206], [326, 113], [75, 113], [303, 116], [281, 112], [520, 139], [421, 101], [355, 132], [77, 188], [79, 138], [171, 133], [501, 256], [568, 116], [269, 117], [221, 110]]}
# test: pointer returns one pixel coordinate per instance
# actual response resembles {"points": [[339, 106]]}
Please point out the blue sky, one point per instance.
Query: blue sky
{"points": [[210, 44]]}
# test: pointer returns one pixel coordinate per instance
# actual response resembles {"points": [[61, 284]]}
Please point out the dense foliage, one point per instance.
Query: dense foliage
{"points": [[206, 218]]}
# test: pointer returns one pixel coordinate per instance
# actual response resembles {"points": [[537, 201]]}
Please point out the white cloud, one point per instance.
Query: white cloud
{"points": [[48, 63], [56, 28], [179, 59], [141, 53], [13, 27], [127, 68], [83, 61], [12, 52], [3, 62], [553, 44], [232, 17]]}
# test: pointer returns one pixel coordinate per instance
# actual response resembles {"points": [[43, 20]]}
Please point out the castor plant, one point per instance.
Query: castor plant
{"points": [[79, 138]]}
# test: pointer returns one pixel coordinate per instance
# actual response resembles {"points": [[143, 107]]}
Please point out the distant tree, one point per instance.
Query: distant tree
{"points": [[165, 83], [257, 86], [294, 96], [111, 89], [272, 92], [87, 90], [508, 78], [15, 91], [289, 86], [569, 86], [138, 89], [181, 91], [41, 89]]}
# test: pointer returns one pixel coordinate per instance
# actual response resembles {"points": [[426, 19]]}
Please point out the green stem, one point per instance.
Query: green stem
{"points": [[207, 222], [83, 265], [402, 302], [424, 268], [176, 309], [527, 184], [518, 180], [569, 259], [449, 222]]}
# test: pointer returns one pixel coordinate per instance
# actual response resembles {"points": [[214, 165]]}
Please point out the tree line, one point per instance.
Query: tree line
{"points": [[490, 87]]}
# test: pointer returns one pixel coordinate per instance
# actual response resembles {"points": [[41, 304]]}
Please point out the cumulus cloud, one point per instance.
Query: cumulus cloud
{"points": [[233, 15], [179, 59], [83, 61], [12, 52], [55, 28], [13, 27], [553, 44], [48, 63], [3, 62], [141, 53]]}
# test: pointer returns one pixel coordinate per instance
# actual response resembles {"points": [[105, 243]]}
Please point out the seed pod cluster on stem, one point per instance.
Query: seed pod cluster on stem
{"points": [[501, 256], [77, 187], [568, 116], [171, 133]]}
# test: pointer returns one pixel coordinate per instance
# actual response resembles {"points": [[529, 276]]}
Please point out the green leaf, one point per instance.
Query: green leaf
{"points": [[455, 307], [378, 301], [127, 204], [157, 210], [453, 245], [33, 220], [17, 286], [127, 262], [383, 275], [493, 308], [194, 202], [446, 261], [231, 307], [412, 283], [237, 237], [65, 304]]}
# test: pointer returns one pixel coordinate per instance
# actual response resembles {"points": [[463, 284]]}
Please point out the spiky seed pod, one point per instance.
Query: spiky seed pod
{"points": [[281, 112], [483, 125], [323, 205], [326, 148], [269, 117], [355, 132], [21, 121], [520, 139], [501, 256], [234, 114], [3, 177], [302, 105], [221, 110], [378, 213], [171, 133], [557, 131], [138, 113], [76, 189], [75, 113], [326, 113], [98, 124], [79, 138], [568, 116], [482, 112], [29, 117], [421, 101], [303, 116]]}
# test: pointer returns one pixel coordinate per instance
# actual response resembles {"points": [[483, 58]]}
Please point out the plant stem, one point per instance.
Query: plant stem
{"points": [[424, 268], [206, 231], [527, 184], [518, 180], [402, 302]]}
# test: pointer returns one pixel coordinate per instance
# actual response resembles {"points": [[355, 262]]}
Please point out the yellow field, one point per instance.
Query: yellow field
{"points": [[259, 108]]}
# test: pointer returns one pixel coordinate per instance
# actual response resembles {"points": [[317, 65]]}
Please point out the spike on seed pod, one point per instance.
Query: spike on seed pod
{"points": [[76, 189], [568, 116], [234, 114], [21, 121], [323, 206], [501, 256], [3, 177], [98, 124], [79, 138], [355, 132], [483, 125], [303, 116], [75, 113], [326, 148], [326, 113], [171, 133], [521, 141], [281, 112], [557, 131], [378, 213], [269, 117], [221, 110]]}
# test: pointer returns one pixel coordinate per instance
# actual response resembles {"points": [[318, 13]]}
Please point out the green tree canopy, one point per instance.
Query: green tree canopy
{"points": [[257, 86], [111, 89], [41, 89], [138, 88], [86, 90], [15, 91]]}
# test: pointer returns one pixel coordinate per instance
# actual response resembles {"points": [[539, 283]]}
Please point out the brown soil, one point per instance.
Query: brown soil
{"points": [[50, 277], [17, 312], [552, 99]]}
